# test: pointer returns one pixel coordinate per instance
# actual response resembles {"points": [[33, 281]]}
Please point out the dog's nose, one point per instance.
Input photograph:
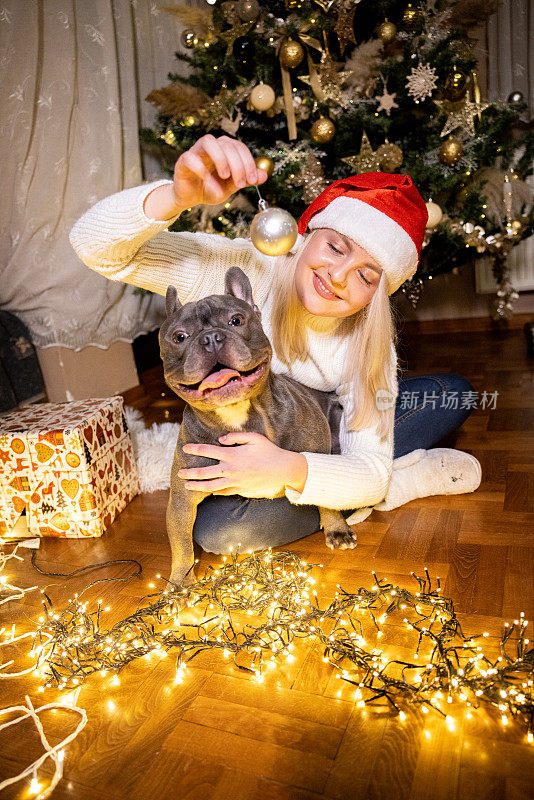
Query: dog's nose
{"points": [[213, 341]]}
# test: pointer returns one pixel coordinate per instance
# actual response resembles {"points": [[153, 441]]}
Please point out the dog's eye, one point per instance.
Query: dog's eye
{"points": [[179, 337], [237, 319]]}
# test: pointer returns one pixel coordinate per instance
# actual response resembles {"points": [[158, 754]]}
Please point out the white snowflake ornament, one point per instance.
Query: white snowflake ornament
{"points": [[422, 82]]}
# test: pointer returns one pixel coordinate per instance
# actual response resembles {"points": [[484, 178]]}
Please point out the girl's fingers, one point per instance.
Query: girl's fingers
{"points": [[253, 176], [208, 486], [199, 473], [239, 174], [212, 147]]}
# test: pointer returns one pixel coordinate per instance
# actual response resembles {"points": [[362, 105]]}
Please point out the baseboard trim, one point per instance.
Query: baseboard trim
{"points": [[464, 325]]}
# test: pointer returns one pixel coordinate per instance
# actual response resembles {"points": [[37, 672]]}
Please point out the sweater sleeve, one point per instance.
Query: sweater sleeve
{"points": [[118, 240], [361, 474]]}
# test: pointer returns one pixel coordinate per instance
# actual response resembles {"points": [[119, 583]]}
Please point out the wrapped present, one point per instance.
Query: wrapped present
{"points": [[70, 466]]}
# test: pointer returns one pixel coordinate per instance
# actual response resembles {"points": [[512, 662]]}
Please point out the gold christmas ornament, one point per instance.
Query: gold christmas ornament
{"points": [[273, 231], [262, 97], [434, 214], [323, 130], [450, 151], [291, 53], [455, 85], [366, 160], [390, 156], [462, 116], [265, 163], [411, 17], [344, 28], [188, 38], [247, 10], [387, 31], [311, 177], [189, 121]]}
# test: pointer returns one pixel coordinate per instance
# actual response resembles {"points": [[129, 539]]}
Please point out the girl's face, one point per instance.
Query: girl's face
{"points": [[335, 277]]}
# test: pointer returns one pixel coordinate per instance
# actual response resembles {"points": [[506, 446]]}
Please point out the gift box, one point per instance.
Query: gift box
{"points": [[70, 466]]}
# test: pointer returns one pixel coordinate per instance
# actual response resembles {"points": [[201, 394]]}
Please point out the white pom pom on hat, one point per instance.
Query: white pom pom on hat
{"points": [[382, 212]]}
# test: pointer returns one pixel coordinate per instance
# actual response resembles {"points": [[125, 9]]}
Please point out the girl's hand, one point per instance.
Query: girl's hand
{"points": [[258, 468], [212, 170]]}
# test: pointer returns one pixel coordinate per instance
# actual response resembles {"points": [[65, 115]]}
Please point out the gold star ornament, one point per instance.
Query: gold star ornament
{"points": [[461, 117], [366, 160]]}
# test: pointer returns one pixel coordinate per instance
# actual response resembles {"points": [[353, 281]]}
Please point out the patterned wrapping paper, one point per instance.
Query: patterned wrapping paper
{"points": [[70, 465]]}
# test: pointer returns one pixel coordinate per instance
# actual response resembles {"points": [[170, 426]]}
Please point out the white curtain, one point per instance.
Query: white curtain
{"points": [[510, 46], [73, 78], [510, 67]]}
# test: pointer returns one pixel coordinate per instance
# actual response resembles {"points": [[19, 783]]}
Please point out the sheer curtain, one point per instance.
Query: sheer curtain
{"points": [[73, 78]]}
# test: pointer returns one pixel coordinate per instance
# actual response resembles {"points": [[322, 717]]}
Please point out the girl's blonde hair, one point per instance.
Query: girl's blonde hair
{"points": [[370, 363]]}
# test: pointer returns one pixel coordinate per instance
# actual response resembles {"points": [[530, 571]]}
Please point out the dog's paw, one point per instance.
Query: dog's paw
{"points": [[180, 580], [340, 540]]}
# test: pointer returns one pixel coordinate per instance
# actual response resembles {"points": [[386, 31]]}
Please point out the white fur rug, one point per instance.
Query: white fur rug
{"points": [[153, 449]]}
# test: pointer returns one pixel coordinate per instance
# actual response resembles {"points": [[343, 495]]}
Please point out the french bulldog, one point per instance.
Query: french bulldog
{"points": [[217, 358]]}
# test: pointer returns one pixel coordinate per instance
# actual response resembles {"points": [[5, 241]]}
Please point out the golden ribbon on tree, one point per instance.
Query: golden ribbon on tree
{"points": [[306, 41]]}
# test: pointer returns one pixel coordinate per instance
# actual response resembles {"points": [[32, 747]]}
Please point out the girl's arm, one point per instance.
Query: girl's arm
{"points": [[360, 476], [117, 239]]}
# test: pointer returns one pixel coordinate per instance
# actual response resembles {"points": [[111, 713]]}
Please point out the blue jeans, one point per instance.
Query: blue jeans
{"points": [[420, 422]]}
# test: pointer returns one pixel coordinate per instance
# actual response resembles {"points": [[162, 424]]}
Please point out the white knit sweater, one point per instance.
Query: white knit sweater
{"points": [[117, 239]]}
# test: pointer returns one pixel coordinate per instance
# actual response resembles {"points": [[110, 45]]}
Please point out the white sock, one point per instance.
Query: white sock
{"points": [[422, 473]]}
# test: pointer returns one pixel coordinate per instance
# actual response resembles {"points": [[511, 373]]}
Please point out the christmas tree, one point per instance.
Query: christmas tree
{"points": [[323, 89]]}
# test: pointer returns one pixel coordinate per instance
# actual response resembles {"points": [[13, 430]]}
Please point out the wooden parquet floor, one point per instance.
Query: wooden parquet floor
{"points": [[221, 736]]}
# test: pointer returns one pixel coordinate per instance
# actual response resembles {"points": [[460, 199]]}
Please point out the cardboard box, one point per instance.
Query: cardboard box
{"points": [[70, 466]]}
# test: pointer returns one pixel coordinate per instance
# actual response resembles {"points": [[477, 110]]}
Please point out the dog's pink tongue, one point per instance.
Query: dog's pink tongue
{"points": [[217, 379]]}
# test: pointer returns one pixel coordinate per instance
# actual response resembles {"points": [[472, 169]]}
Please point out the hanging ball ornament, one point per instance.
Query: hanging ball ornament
{"points": [[188, 38], [387, 31], [273, 231], [455, 85], [323, 130], [262, 97], [247, 10], [450, 151], [265, 163], [434, 214], [291, 53], [390, 156], [411, 18], [515, 97]]}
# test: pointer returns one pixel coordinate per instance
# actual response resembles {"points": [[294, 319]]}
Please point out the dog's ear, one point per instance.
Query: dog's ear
{"points": [[237, 284], [172, 303]]}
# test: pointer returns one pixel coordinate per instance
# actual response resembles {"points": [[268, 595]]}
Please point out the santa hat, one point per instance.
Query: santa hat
{"points": [[382, 212]]}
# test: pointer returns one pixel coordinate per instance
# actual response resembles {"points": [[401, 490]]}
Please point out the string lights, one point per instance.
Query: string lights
{"points": [[254, 609]]}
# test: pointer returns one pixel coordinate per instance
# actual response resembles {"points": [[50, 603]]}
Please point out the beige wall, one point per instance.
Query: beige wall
{"points": [[454, 297]]}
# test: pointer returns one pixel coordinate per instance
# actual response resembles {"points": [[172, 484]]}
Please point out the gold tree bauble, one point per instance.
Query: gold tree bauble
{"points": [[323, 130], [273, 231], [455, 85], [291, 53], [434, 214], [189, 121], [247, 10], [387, 31], [411, 17], [265, 163], [450, 151], [390, 156], [262, 97], [188, 38]]}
